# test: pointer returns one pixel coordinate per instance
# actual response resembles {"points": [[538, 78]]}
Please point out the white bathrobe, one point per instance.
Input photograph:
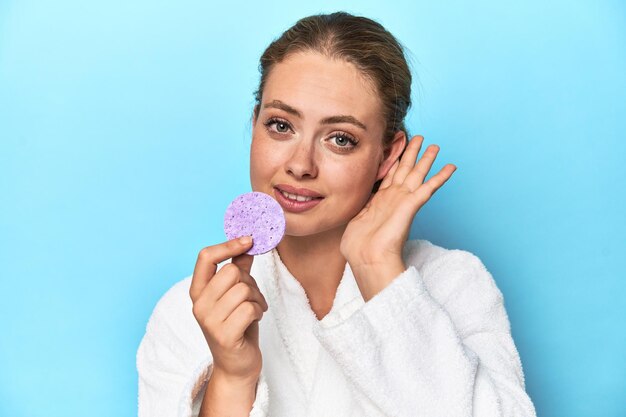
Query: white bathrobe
{"points": [[435, 342]]}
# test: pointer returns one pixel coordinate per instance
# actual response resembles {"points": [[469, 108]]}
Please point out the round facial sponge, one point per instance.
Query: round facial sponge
{"points": [[258, 215]]}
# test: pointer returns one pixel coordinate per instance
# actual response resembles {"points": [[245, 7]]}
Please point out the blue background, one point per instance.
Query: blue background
{"points": [[125, 132]]}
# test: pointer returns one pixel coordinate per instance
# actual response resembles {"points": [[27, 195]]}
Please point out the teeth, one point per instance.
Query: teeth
{"points": [[296, 197]]}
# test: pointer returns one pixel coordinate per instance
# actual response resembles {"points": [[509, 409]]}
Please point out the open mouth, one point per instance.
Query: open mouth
{"points": [[296, 197], [295, 203]]}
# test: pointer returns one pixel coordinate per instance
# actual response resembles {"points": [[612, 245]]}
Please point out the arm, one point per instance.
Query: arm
{"points": [[445, 350], [174, 362]]}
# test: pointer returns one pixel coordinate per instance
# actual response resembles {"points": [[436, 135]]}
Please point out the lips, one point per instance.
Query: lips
{"points": [[295, 206], [305, 192]]}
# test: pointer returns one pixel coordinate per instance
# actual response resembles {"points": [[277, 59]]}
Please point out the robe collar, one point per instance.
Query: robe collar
{"points": [[296, 320]]}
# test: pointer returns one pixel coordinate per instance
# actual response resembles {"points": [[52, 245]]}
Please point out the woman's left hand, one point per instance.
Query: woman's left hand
{"points": [[373, 240]]}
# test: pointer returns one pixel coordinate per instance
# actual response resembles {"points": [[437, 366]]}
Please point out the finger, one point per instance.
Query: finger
{"points": [[222, 281], [248, 279], [416, 177], [207, 262], [408, 160], [240, 320], [243, 261], [226, 278], [239, 293], [387, 181], [436, 181]]}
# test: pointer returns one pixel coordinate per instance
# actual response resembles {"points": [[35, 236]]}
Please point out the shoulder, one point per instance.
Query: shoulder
{"points": [[172, 325], [175, 301], [174, 307], [432, 259], [172, 321], [457, 278], [172, 303], [422, 253]]}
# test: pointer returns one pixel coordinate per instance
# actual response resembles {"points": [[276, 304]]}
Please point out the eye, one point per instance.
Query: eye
{"points": [[345, 141], [281, 125]]}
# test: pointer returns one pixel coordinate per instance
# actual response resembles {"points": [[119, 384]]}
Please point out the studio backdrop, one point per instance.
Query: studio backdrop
{"points": [[125, 131]]}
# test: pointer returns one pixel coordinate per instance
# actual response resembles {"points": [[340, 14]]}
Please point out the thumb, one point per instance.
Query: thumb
{"points": [[244, 261]]}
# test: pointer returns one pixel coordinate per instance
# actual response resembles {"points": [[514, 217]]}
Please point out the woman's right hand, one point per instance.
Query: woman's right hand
{"points": [[228, 306]]}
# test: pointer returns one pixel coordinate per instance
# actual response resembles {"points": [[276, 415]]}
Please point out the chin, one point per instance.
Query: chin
{"points": [[300, 229]]}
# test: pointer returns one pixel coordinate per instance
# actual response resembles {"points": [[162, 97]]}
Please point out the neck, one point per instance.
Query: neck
{"points": [[316, 262], [325, 244]]}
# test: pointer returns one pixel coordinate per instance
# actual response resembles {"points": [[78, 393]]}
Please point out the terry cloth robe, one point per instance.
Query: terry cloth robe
{"points": [[435, 342]]}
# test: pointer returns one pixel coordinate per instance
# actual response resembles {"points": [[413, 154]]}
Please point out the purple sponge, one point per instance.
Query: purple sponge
{"points": [[258, 215]]}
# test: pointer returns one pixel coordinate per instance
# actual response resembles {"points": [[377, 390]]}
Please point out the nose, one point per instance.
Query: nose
{"points": [[302, 162]]}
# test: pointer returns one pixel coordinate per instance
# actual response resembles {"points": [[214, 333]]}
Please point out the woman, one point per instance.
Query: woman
{"points": [[357, 320]]}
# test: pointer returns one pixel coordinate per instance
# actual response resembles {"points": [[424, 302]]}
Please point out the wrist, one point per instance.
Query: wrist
{"points": [[226, 380], [226, 396], [373, 277]]}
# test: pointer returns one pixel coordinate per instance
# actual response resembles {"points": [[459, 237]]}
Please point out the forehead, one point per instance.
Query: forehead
{"points": [[319, 86]]}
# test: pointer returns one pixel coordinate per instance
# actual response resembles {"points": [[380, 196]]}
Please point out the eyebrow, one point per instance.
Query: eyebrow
{"points": [[326, 121]]}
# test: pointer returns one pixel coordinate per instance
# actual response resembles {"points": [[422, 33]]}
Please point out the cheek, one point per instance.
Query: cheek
{"points": [[257, 158], [363, 172], [264, 160], [354, 182]]}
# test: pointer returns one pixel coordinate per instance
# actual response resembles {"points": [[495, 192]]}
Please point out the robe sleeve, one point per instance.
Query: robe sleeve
{"points": [[442, 349], [174, 362]]}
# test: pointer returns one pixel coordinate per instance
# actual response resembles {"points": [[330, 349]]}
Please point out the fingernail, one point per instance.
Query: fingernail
{"points": [[245, 240]]}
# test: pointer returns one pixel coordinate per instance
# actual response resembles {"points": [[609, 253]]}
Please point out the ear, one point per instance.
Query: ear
{"points": [[392, 154]]}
